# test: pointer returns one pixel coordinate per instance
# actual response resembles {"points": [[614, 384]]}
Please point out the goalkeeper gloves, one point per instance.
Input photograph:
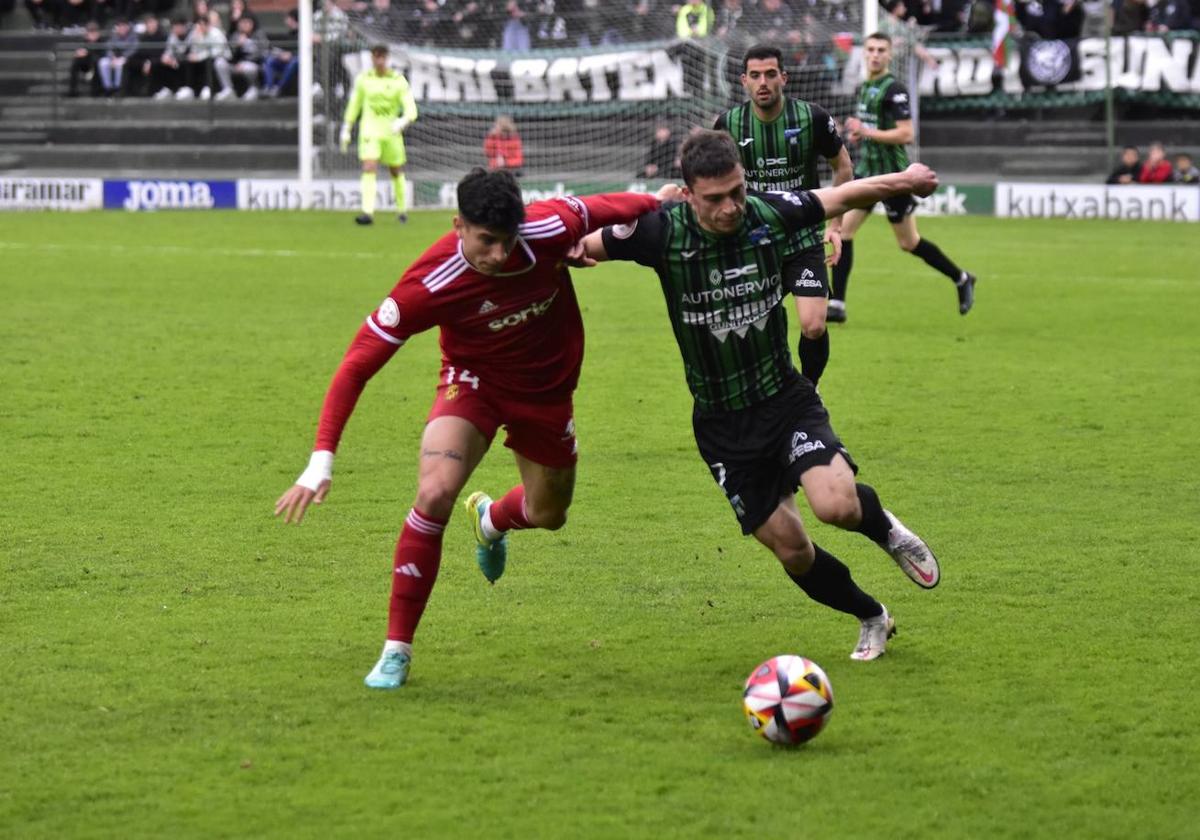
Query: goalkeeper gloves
{"points": [[344, 139], [400, 124]]}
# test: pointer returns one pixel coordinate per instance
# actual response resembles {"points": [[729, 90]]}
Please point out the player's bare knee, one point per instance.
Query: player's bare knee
{"points": [[909, 245], [813, 327], [838, 509], [796, 558], [436, 498], [546, 517]]}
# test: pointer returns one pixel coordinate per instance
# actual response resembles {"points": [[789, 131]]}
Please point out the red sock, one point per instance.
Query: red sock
{"points": [[418, 556], [508, 514]]}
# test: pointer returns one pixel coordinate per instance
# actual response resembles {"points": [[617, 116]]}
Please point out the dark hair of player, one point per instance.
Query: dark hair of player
{"points": [[379, 49], [879, 36], [491, 199], [707, 154], [762, 52]]}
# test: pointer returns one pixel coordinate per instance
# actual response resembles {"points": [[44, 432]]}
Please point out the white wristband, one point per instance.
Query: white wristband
{"points": [[320, 468]]}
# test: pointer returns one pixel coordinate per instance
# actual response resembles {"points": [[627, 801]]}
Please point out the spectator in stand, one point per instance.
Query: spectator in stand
{"points": [[1051, 19], [598, 26], [250, 50], [1156, 169], [384, 18], [168, 72], [73, 16], [330, 25], [237, 8], [121, 46], [1169, 15], [550, 28], [515, 36], [644, 20], [44, 13], [502, 146], [694, 20], [773, 23], [1185, 171], [152, 40], [425, 23], [1129, 16], [662, 158], [1127, 170], [83, 62], [468, 27], [207, 59], [728, 17], [280, 67]]}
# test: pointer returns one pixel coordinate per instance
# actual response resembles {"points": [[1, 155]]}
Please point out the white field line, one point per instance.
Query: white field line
{"points": [[184, 250]]}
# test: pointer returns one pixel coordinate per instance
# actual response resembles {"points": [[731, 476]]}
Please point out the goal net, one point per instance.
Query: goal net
{"points": [[589, 94]]}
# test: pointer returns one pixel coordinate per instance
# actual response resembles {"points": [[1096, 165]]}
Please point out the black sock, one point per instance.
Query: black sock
{"points": [[841, 271], [933, 255], [814, 354], [828, 582], [874, 525]]}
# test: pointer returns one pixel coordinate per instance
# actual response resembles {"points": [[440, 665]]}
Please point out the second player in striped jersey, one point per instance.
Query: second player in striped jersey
{"points": [[780, 140], [759, 424]]}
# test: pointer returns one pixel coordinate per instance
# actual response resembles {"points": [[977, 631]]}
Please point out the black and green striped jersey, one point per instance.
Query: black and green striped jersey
{"points": [[724, 293], [783, 154], [882, 103]]}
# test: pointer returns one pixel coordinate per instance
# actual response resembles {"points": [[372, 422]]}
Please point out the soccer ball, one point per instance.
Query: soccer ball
{"points": [[788, 700]]}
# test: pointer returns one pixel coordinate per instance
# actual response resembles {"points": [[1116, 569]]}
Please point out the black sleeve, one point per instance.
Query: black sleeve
{"points": [[641, 241], [719, 124], [828, 141], [897, 102], [799, 210]]}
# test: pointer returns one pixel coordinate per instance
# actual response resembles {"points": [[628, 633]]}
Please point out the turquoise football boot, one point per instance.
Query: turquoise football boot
{"points": [[391, 671], [490, 555]]}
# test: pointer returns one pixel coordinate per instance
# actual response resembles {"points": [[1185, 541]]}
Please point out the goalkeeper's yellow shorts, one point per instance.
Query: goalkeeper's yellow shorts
{"points": [[388, 149]]}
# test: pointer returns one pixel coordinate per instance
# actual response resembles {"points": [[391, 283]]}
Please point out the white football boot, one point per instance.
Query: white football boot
{"points": [[872, 639], [911, 554]]}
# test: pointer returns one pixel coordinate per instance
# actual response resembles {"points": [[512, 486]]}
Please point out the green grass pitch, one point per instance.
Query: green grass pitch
{"points": [[176, 662]]}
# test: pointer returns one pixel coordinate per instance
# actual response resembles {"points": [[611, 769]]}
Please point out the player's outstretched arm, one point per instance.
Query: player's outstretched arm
{"points": [[593, 247], [365, 356], [918, 179]]}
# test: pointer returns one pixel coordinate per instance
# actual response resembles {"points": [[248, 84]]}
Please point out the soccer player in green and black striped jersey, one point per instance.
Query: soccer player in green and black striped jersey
{"points": [[780, 140], [882, 128], [760, 426]]}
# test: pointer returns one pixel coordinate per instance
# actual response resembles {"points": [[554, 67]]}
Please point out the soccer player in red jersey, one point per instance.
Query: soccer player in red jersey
{"points": [[512, 345]]}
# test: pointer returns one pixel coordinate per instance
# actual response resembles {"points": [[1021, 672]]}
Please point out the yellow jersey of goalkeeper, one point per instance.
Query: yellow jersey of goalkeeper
{"points": [[380, 100]]}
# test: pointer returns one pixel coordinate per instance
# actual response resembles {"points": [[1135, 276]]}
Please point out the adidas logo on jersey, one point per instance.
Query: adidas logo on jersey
{"points": [[487, 307], [409, 569]]}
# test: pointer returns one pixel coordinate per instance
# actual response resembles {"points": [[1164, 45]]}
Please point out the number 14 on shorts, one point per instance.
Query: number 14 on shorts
{"points": [[465, 376]]}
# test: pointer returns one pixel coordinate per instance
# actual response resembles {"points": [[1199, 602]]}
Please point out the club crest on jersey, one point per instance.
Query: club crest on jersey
{"points": [[761, 235], [792, 135], [451, 392], [389, 313], [624, 231]]}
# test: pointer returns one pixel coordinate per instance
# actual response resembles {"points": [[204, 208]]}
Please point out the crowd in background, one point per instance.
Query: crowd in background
{"points": [[1155, 168]]}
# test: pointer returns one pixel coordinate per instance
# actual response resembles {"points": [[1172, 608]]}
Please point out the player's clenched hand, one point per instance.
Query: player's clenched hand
{"points": [[296, 500], [399, 124], [833, 238], [669, 192], [924, 180], [854, 128], [577, 256]]}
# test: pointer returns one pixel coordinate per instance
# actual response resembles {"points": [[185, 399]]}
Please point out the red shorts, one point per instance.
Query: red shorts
{"points": [[542, 432]]}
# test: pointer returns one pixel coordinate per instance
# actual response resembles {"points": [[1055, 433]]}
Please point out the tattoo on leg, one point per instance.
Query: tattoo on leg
{"points": [[442, 453]]}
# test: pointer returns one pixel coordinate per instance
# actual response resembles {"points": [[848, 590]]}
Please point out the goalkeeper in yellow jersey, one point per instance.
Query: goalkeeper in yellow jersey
{"points": [[383, 106]]}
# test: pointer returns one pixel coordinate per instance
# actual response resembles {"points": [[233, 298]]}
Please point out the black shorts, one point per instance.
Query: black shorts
{"points": [[758, 454], [805, 275]]}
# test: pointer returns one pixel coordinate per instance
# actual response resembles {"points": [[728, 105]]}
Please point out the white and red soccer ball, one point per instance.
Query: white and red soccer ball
{"points": [[788, 700]]}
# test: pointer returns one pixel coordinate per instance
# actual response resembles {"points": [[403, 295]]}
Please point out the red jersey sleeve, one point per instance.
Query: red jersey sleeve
{"points": [[365, 356], [580, 215]]}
